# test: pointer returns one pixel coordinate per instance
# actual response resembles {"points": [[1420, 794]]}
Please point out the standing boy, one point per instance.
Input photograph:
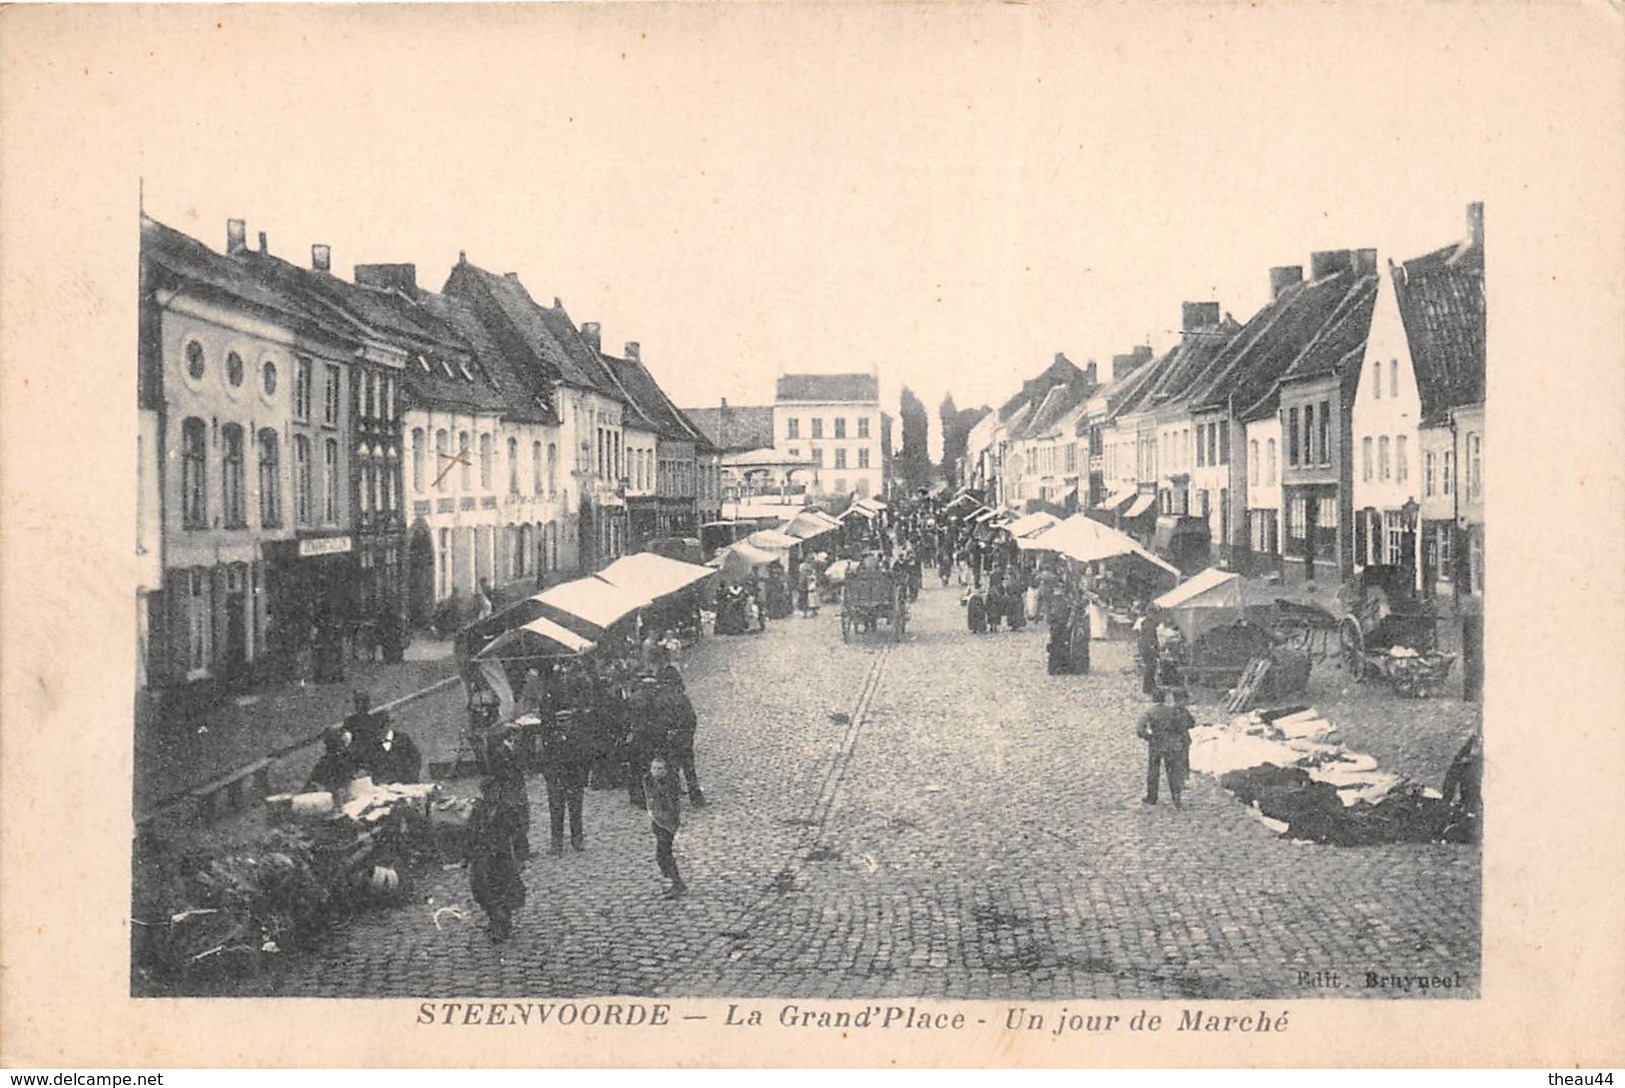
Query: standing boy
{"points": [[661, 796], [1166, 729]]}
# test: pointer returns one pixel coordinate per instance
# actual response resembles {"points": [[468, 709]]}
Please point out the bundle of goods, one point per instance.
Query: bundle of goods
{"points": [[227, 912], [1286, 766], [328, 857]]}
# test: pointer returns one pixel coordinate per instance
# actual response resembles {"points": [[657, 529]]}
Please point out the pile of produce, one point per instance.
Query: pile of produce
{"points": [[199, 917], [1287, 766]]}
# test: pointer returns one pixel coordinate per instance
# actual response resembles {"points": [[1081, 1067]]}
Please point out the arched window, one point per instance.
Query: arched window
{"points": [[391, 481], [1269, 462], [194, 473], [1393, 377], [442, 462], [330, 481], [302, 504], [552, 469], [485, 462], [1252, 461], [465, 452], [232, 507], [537, 480], [513, 466], [270, 481], [417, 459]]}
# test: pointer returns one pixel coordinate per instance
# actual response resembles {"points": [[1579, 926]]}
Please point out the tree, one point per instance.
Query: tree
{"points": [[956, 427], [913, 465]]}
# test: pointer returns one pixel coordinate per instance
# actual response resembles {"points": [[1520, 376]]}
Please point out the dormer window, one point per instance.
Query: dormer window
{"points": [[445, 366], [424, 363], [462, 365]]}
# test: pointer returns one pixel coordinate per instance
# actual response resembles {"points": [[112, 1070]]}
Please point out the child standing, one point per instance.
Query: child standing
{"points": [[661, 796]]}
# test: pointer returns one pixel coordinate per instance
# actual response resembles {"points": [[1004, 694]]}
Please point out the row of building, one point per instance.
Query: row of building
{"points": [[316, 453], [824, 439], [1340, 428]]}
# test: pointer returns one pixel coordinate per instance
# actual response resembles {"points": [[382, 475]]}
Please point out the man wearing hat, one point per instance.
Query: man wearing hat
{"points": [[675, 712], [645, 736], [1166, 729], [566, 758]]}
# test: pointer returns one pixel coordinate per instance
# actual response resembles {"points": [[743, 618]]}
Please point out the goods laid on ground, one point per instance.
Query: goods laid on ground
{"points": [[324, 859], [1287, 766]]}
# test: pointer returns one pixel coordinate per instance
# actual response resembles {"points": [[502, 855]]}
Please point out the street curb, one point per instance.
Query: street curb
{"points": [[289, 749]]}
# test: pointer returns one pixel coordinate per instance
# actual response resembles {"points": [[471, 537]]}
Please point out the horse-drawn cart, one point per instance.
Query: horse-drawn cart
{"points": [[869, 597]]}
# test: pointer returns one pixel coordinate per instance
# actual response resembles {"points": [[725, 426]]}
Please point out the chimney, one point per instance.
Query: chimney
{"points": [[321, 258], [389, 277], [236, 237], [632, 350], [1284, 276], [1475, 224], [724, 402], [1089, 373], [1198, 315], [1329, 262], [590, 333], [262, 241], [1125, 364]]}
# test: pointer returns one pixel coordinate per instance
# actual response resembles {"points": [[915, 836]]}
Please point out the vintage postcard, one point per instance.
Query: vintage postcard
{"points": [[812, 535]]}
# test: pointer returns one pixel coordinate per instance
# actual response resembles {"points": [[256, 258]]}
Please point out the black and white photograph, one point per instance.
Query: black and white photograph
{"points": [[874, 520]]}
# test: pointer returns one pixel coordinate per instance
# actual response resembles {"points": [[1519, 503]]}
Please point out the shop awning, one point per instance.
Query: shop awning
{"points": [[772, 540], [1116, 499], [747, 554], [652, 575], [809, 524], [860, 511], [594, 600], [873, 503], [1141, 505], [539, 637], [1086, 540], [1210, 588], [1031, 524]]}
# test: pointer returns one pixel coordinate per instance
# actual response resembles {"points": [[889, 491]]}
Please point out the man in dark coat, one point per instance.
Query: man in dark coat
{"points": [[645, 736], [676, 712], [339, 764], [364, 723], [393, 757], [566, 758], [1148, 650], [1060, 637], [1166, 729]]}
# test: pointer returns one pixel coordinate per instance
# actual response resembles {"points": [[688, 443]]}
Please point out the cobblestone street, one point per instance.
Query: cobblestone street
{"points": [[937, 818]]}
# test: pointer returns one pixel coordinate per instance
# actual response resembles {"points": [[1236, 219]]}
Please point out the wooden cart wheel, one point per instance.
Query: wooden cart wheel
{"points": [[1352, 642]]}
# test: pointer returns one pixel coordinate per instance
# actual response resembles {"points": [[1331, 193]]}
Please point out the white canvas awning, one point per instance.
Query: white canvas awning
{"points": [[594, 600], [1211, 588], [652, 575], [1086, 540], [810, 523], [541, 634], [1031, 524], [1116, 499], [1141, 505], [772, 540]]}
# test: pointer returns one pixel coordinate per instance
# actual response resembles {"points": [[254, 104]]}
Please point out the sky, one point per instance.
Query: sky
{"points": [[950, 196]]}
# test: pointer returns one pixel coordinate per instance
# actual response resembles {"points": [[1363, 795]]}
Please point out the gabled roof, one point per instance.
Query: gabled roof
{"points": [[1271, 342], [1060, 400], [1188, 363], [181, 257], [1339, 345], [649, 399], [583, 356], [731, 427], [858, 388], [521, 400], [1441, 303], [505, 297]]}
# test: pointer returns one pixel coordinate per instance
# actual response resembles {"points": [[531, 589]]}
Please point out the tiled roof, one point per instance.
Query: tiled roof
{"points": [[1188, 363], [1441, 303], [1060, 400], [1340, 341], [523, 317], [649, 399], [1272, 341], [238, 279], [581, 354], [861, 388], [522, 400], [731, 427]]}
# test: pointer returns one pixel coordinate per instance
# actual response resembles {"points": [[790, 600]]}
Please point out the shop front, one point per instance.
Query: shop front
{"points": [[311, 584]]}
